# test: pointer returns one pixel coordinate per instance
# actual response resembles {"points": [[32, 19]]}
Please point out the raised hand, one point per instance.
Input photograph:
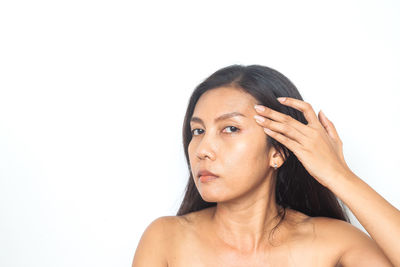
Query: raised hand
{"points": [[317, 145]]}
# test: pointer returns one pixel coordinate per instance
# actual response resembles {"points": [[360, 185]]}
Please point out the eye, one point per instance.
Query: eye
{"points": [[233, 129], [195, 130]]}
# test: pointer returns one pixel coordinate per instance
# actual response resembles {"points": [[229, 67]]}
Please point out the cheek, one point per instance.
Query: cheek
{"points": [[190, 154], [245, 156], [191, 149]]}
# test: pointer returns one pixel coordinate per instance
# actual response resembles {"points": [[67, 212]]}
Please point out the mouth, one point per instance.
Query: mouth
{"points": [[207, 178], [204, 175]]}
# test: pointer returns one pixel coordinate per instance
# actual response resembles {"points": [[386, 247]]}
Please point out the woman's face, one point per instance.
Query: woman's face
{"points": [[233, 148]]}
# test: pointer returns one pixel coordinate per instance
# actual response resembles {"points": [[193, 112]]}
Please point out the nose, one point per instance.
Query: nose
{"points": [[206, 148]]}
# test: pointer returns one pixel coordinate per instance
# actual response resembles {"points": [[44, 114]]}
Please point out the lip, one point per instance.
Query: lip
{"points": [[207, 178], [205, 175]]}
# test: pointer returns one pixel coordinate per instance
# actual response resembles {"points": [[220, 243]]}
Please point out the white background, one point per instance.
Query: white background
{"points": [[93, 94]]}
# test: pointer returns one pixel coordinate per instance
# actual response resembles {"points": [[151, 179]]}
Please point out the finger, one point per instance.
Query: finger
{"points": [[283, 118], [324, 120], [282, 128], [304, 107], [329, 127], [287, 142]]}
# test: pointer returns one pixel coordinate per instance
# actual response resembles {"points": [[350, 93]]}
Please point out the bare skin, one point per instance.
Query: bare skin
{"points": [[294, 243], [191, 240], [236, 232]]}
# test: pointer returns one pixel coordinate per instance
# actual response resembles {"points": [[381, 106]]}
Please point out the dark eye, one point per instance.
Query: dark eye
{"points": [[235, 129], [194, 131], [232, 129]]}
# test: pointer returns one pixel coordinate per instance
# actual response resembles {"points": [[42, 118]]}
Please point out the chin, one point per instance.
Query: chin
{"points": [[212, 196], [212, 199]]}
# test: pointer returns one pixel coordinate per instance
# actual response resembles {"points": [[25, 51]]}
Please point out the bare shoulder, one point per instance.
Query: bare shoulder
{"points": [[151, 250], [167, 237], [355, 247]]}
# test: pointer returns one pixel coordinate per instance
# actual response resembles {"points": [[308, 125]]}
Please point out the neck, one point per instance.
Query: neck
{"points": [[246, 222]]}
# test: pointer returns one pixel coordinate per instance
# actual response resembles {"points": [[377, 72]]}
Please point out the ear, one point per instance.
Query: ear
{"points": [[276, 157]]}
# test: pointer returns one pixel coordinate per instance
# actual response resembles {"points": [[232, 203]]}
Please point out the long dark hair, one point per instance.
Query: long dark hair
{"points": [[295, 188]]}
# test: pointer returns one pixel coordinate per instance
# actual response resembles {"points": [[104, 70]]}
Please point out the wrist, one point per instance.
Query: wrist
{"points": [[340, 179]]}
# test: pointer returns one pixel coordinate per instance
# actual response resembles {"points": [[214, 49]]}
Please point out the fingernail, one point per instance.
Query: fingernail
{"points": [[259, 118], [268, 131], [259, 108], [281, 99]]}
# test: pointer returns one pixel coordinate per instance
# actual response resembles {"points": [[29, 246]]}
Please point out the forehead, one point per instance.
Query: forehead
{"points": [[222, 100]]}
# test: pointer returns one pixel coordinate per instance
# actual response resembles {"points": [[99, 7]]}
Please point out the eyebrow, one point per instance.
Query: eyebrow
{"points": [[220, 118]]}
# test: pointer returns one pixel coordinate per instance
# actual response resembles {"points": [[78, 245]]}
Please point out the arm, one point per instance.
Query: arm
{"points": [[151, 248], [376, 215], [354, 247], [318, 146]]}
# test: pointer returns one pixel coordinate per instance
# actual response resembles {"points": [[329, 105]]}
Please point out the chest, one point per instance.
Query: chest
{"points": [[191, 251]]}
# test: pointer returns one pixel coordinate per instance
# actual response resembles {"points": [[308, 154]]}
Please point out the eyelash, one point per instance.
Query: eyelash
{"points": [[237, 129]]}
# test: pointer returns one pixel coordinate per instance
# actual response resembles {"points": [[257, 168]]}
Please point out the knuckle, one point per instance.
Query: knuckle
{"points": [[286, 128], [286, 118], [267, 111], [314, 134], [285, 139]]}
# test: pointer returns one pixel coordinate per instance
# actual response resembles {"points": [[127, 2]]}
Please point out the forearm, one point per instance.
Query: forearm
{"points": [[379, 218]]}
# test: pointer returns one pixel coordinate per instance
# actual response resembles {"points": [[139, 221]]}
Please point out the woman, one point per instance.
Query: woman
{"points": [[264, 176]]}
